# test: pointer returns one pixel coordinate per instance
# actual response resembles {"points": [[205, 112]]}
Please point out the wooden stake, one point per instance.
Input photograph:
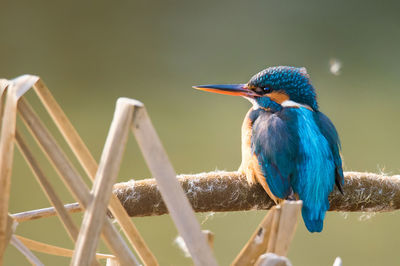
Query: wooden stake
{"points": [[177, 203], [89, 164], [72, 179], [102, 189]]}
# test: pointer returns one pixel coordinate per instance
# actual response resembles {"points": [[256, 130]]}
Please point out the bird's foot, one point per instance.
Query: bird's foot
{"points": [[292, 196], [249, 173]]}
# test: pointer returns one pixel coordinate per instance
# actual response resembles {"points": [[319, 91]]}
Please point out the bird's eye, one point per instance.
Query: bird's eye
{"points": [[262, 90]]}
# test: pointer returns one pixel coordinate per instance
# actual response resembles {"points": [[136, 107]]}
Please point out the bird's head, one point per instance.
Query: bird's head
{"points": [[272, 87]]}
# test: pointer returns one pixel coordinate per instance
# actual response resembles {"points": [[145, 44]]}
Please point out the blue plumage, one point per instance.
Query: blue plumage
{"points": [[296, 157], [295, 146]]}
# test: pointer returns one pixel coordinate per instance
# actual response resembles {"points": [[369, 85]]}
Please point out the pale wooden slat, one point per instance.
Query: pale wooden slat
{"points": [[64, 216], [89, 164], [16, 88], [72, 179], [287, 226], [54, 250], [110, 161], [258, 242], [177, 203], [25, 251]]}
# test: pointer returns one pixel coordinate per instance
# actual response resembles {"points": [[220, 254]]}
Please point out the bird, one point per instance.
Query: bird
{"points": [[288, 145]]}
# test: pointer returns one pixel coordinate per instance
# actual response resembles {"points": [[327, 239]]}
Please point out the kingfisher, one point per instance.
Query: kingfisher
{"points": [[288, 145]]}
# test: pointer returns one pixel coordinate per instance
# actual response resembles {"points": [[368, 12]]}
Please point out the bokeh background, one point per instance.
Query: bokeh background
{"points": [[90, 53]]}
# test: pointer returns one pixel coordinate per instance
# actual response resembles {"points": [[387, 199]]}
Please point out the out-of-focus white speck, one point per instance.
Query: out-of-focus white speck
{"points": [[337, 262], [182, 246], [335, 66]]}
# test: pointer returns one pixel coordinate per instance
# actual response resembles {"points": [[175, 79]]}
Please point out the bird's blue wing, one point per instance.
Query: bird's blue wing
{"points": [[329, 131], [275, 144]]}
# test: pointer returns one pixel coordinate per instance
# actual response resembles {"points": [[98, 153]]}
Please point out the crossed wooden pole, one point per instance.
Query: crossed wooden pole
{"points": [[130, 115]]}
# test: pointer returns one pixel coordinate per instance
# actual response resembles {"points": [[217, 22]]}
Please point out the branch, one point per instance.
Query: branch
{"points": [[229, 191]]}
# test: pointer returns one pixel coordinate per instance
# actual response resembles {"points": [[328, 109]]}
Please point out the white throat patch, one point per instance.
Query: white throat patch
{"points": [[254, 102], [289, 103]]}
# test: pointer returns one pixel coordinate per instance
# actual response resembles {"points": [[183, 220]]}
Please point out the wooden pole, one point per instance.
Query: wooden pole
{"points": [[177, 203]]}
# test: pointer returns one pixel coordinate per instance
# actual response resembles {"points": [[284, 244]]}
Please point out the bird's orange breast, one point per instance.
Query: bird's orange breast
{"points": [[250, 165]]}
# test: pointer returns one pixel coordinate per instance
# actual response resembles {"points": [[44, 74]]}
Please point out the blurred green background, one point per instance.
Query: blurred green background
{"points": [[90, 53]]}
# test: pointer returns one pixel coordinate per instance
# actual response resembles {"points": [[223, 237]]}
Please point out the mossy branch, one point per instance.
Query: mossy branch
{"points": [[229, 191]]}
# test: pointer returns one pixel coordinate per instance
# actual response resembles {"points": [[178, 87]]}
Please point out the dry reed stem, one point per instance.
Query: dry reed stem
{"points": [[274, 229], [177, 203], [90, 166], [257, 243], [287, 226], [50, 193], [64, 216], [11, 226], [25, 251], [54, 250], [66, 128], [44, 212], [110, 162], [72, 179], [16, 88]]}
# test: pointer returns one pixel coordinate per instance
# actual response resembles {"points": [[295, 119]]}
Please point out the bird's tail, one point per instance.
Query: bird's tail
{"points": [[313, 219]]}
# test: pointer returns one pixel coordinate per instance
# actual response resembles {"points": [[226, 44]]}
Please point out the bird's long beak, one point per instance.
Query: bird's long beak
{"points": [[228, 89]]}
